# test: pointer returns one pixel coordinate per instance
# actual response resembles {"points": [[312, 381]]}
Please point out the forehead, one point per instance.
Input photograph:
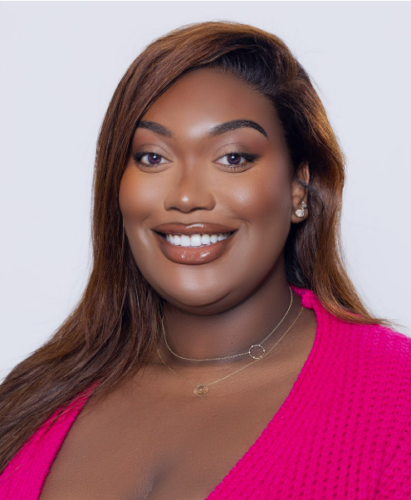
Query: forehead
{"points": [[203, 98]]}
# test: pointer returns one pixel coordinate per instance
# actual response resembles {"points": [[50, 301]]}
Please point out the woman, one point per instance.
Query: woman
{"points": [[219, 350]]}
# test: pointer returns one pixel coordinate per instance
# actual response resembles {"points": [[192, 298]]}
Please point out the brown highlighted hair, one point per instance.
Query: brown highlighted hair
{"points": [[113, 330]]}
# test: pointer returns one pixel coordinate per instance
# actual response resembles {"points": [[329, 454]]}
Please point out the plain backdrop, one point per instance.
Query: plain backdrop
{"points": [[60, 64]]}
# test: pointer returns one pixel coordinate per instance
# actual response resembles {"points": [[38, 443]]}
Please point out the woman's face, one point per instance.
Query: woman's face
{"points": [[209, 161]]}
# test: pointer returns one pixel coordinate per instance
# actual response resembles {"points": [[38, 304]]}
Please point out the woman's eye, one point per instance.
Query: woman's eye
{"points": [[236, 160], [149, 158]]}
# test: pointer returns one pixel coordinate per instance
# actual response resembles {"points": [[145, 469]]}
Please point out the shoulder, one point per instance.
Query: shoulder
{"points": [[375, 347], [372, 341], [384, 347], [376, 362], [366, 354], [25, 472]]}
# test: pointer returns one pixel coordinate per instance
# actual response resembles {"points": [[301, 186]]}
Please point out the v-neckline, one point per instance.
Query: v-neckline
{"points": [[309, 301]]}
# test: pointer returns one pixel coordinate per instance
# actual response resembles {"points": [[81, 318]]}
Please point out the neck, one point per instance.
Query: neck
{"points": [[231, 331]]}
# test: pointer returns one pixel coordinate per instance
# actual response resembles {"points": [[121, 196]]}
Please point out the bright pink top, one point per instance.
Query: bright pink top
{"points": [[344, 431]]}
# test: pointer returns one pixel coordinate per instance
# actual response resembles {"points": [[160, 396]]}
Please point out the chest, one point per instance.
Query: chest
{"points": [[155, 440], [160, 448]]}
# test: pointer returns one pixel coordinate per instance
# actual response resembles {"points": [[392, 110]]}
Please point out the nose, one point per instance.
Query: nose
{"points": [[190, 191]]}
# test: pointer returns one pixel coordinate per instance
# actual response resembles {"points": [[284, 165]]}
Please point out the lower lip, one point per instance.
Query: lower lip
{"points": [[193, 255]]}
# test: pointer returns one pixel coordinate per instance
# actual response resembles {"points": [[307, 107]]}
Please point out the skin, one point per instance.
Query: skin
{"points": [[187, 444]]}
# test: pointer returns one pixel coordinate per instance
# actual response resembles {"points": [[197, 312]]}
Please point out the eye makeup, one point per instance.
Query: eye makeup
{"points": [[156, 159]]}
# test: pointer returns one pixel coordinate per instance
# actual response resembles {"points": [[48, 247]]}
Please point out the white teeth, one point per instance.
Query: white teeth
{"points": [[185, 240], [195, 240]]}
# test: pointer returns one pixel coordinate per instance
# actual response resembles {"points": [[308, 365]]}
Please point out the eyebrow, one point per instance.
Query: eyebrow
{"points": [[217, 130]]}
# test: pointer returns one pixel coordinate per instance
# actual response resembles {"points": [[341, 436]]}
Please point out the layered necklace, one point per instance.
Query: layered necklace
{"points": [[256, 351]]}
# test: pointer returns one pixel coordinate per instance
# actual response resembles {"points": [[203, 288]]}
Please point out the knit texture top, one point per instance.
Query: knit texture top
{"points": [[343, 432]]}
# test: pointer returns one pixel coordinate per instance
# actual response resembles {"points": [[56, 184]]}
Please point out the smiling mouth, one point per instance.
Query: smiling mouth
{"points": [[194, 240]]}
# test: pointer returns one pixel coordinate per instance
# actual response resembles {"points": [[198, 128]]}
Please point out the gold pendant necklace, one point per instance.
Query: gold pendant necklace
{"points": [[203, 389]]}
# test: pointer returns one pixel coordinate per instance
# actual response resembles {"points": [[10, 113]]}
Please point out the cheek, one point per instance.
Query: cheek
{"points": [[265, 207], [137, 200], [264, 201]]}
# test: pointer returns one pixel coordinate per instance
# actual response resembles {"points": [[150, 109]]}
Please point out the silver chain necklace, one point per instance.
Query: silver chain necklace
{"points": [[255, 351], [203, 389]]}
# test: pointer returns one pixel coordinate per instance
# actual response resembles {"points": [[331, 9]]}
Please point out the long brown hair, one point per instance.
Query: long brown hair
{"points": [[114, 328]]}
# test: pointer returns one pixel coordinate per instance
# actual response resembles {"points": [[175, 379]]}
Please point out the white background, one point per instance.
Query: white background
{"points": [[60, 64]]}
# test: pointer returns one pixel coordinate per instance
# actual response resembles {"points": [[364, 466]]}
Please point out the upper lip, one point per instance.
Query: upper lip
{"points": [[194, 228]]}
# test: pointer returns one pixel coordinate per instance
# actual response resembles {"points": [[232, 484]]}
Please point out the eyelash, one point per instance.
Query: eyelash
{"points": [[248, 157]]}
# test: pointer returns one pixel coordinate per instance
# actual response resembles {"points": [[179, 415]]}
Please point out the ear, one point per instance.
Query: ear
{"points": [[299, 194]]}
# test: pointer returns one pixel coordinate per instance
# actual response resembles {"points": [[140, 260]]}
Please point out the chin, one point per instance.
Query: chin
{"points": [[197, 301]]}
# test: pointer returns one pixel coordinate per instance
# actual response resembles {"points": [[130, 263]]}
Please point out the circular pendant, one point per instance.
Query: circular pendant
{"points": [[256, 351], [200, 390]]}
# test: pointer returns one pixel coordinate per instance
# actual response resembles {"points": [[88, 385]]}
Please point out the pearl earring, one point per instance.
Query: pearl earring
{"points": [[301, 211]]}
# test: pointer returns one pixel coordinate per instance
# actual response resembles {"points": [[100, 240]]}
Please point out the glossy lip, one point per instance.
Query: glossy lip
{"points": [[193, 255]]}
